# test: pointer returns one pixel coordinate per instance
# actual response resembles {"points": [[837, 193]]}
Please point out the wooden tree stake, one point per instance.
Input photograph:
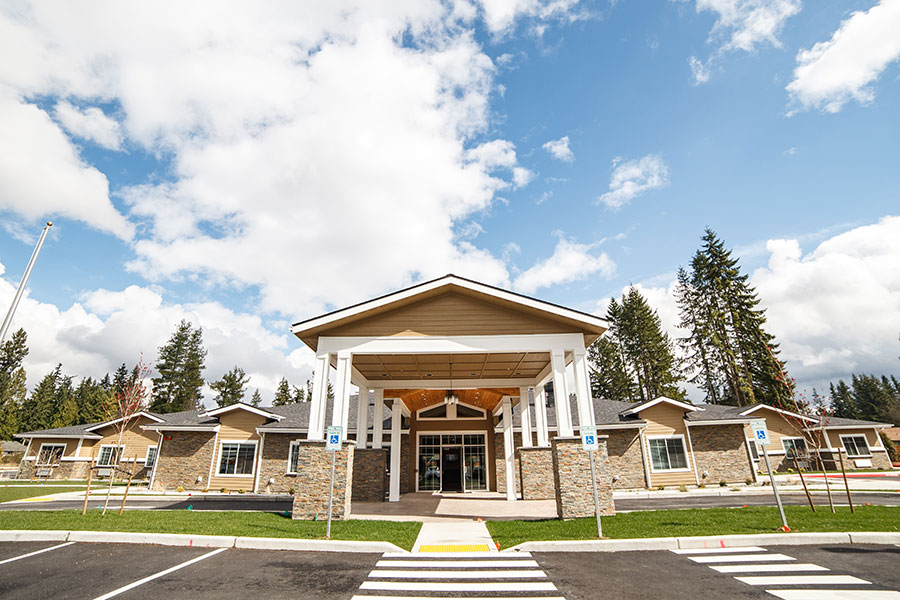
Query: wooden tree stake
{"points": [[128, 485], [87, 492], [846, 482], [803, 481], [825, 478]]}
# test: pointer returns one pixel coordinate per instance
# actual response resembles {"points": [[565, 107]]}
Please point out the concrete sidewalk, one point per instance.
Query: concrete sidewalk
{"points": [[459, 536]]}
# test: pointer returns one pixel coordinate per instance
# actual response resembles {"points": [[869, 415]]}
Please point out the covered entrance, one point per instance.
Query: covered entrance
{"points": [[452, 462]]}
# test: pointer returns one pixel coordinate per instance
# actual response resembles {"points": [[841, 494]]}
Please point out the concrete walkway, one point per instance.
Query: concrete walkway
{"points": [[458, 536], [429, 507]]}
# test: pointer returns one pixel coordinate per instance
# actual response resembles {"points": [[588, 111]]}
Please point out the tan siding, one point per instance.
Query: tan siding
{"points": [[135, 440], [236, 426], [779, 427], [665, 419], [451, 314], [36, 445], [834, 436]]}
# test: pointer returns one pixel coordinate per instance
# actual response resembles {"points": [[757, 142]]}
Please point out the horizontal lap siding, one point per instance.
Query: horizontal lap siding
{"points": [[666, 420], [236, 426], [135, 440], [71, 445], [872, 438]]}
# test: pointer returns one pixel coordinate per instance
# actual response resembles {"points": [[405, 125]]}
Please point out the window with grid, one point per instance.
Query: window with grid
{"points": [[50, 454], [293, 458], [855, 445], [109, 455], [151, 456], [668, 454], [754, 451], [237, 459], [794, 447]]}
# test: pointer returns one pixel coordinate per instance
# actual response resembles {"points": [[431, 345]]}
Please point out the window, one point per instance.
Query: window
{"points": [[668, 454], [50, 454], [109, 455], [438, 412], [794, 447], [754, 450], [236, 458], [293, 458], [151, 456], [468, 412], [856, 446]]}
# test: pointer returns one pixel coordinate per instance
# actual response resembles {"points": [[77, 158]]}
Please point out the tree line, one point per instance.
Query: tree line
{"points": [[59, 401]]}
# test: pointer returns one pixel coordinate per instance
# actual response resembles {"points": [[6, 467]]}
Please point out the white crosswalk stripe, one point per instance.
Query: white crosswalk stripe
{"points": [[764, 569], [468, 575]]}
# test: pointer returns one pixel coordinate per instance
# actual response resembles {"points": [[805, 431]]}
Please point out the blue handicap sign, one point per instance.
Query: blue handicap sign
{"points": [[589, 439], [760, 435], [335, 439]]}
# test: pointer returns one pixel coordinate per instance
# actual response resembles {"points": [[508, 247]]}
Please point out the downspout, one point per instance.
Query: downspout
{"points": [[644, 458], [750, 457], [212, 461], [262, 444], [687, 428], [156, 462]]}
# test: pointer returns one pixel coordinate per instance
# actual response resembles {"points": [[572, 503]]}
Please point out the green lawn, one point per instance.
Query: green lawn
{"points": [[66, 482], [252, 524], [18, 492], [698, 521]]}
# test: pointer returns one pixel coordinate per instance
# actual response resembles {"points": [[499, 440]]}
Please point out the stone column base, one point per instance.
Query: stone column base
{"points": [[536, 473], [313, 475], [572, 475], [369, 474]]}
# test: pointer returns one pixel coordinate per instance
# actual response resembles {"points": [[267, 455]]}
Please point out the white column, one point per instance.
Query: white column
{"points": [[378, 420], [540, 416], [525, 417], [583, 389], [362, 418], [319, 396], [341, 410], [509, 452], [396, 415], [561, 394]]}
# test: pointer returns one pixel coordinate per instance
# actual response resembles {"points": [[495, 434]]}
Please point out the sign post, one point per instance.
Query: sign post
{"points": [[589, 444], [761, 436], [333, 445]]}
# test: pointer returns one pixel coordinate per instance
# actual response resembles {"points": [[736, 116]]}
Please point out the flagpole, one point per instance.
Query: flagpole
{"points": [[15, 303]]}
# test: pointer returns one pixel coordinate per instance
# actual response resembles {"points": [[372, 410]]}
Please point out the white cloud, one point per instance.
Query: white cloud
{"points": [[500, 15], [742, 25], [90, 124], [570, 262], [832, 73], [634, 177], [560, 149], [42, 175]]}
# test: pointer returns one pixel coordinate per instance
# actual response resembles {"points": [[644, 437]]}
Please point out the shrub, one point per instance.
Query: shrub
{"points": [[223, 490], [701, 486], [179, 489], [291, 490], [748, 481], [723, 483], [682, 488], [660, 488], [241, 491]]}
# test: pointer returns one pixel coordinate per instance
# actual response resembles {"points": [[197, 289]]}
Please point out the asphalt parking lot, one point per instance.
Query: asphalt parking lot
{"points": [[100, 571]]}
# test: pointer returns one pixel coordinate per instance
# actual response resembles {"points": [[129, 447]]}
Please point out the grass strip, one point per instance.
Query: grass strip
{"points": [[698, 521], [18, 493], [236, 523]]}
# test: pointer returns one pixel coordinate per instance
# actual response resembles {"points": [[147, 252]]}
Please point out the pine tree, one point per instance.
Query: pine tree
{"points": [[608, 377], [12, 383], [282, 393], [299, 395], [95, 400], [256, 398], [230, 389], [730, 355], [180, 367], [37, 409], [64, 407]]}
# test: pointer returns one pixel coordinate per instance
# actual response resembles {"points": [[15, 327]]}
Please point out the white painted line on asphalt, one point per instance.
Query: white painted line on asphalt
{"points": [[835, 594], [720, 550], [781, 567], [139, 582], [738, 558], [447, 564], [387, 574], [9, 560], [422, 555], [358, 597], [803, 580], [487, 586]]}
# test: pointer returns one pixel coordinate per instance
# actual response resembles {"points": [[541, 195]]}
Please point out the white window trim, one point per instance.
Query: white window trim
{"points": [[433, 406], [784, 449], [41, 450], [219, 459], [291, 446], [856, 435], [487, 465], [751, 443], [668, 437], [147, 455], [100, 453]]}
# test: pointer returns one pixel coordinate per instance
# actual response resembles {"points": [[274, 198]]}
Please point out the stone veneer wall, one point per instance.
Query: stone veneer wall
{"points": [[66, 470], [721, 451], [572, 477], [183, 458], [369, 475], [625, 458], [405, 444], [500, 462], [313, 477], [274, 465], [536, 473]]}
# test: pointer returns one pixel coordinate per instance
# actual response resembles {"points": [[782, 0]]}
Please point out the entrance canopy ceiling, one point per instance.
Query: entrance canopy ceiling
{"points": [[486, 398], [506, 365]]}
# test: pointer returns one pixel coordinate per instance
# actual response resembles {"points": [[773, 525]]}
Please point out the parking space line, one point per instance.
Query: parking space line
{"points": [[757, 568], [732, 549], [835, 594], [140, 582], [9, 560], [739, 558], [803, 580]]}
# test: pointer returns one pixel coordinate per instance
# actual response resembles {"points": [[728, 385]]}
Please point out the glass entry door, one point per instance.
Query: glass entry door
{"points": [[452, 462]]}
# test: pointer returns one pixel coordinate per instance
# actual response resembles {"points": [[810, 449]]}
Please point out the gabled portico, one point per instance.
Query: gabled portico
{"points": [[448, 341]]}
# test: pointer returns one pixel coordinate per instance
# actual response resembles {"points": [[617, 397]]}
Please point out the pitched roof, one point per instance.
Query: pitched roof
{"points": [[842, 422], [68, 431]]}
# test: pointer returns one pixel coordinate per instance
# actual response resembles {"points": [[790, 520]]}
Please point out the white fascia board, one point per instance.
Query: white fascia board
{"points": [[780, 411], [622, 426], [240, 405], [164, 427], [682, 405], [459, 344], [443, 384], [291, 430], [442, 282], [59, 436], [827, 427], [719, 422], [134, 416]]}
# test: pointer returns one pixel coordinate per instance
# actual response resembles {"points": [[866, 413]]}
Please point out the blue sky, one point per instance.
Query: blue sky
{"points": [[273, 163]]}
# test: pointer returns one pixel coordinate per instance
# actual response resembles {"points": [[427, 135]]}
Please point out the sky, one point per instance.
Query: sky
{"points": [[248, 165]]}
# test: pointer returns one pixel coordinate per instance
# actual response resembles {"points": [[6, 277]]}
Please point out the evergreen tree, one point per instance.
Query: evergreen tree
{"points": [[636, 359], [730, 355], [37, 409], [64, 407], [230, 389], [299, 395], [180, 368], [256, 398], [95, 400], [868, 397], [282, 393], [12, 383]]}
